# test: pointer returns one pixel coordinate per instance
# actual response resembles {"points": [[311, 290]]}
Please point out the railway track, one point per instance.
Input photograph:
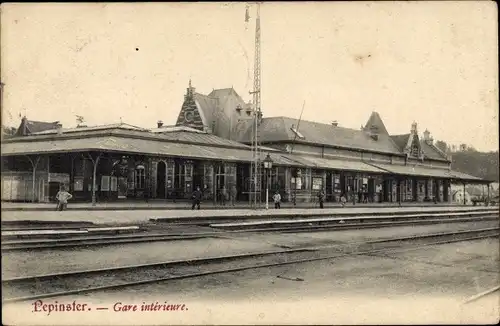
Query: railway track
{"points": [[206, 221], [327, 225], [482, 295], [77, 282]]}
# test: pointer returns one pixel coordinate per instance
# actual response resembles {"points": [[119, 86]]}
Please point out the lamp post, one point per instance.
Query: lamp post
{"points": [[268, 165]]}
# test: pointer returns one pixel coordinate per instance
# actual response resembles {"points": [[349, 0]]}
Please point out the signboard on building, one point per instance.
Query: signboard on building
{"points": [[105, 183], [78, 184], [317, 183], [58, 177], [114, 184]]}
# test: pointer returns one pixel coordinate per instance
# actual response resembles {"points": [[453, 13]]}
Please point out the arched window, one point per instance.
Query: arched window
{"points": [[140, 176]]}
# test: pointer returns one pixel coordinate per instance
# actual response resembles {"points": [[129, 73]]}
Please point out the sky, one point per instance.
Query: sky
{"points": [[435, 63]]}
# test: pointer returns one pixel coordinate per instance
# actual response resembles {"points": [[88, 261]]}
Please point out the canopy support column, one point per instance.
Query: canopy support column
{"points": [[34, 165], [94, 175], [400, 192], [465, 200], [488, 200]]}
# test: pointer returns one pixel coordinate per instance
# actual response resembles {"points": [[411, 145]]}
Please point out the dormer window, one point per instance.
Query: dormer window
{"points": [[238, 109], [414, 151], [297, 133]]}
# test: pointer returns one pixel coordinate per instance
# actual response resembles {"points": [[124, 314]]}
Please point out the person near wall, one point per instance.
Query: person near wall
{"points": [[321, 198], [343, 200], [62, 198], [277, 200], [196, 197], [223, 196], [234, 193]]}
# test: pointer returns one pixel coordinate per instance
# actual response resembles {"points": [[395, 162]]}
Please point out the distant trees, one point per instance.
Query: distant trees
{"points": [[480, 164], [443, 146], [467, 159], [8, 131]]}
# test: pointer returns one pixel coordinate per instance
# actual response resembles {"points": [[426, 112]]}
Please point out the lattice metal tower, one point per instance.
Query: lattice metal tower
{"points": [[256, 173]]}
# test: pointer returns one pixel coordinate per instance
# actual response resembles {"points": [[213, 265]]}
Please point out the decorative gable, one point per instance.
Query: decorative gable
{"points": [[413, 146], [190, 115]]}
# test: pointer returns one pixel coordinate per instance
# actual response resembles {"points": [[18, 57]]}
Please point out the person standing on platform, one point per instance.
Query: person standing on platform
{"points": [[343, 200], [277, 200], [62, 198], [197, 194], [234, 193], [321, 198], [223, 196]]}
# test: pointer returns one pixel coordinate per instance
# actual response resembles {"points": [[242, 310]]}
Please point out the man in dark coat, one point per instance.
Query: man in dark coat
{"points": [[321, 197], [197, 194]]}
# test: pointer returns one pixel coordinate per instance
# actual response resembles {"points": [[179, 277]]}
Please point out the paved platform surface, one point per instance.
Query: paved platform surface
{"points": [[423, 286], [138, 216], [185, 205]]}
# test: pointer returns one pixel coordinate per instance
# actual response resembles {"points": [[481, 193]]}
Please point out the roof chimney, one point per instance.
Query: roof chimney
{"points": [[59, 128], [160, 123], [427, 137], [335, 123], [414, 128]]}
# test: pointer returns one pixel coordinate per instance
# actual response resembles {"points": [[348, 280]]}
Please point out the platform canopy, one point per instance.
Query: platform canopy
{"points": [[336, 164], [127, 145], [420, 171]]}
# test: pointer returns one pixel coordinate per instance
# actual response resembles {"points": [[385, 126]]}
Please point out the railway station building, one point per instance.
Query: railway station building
{"points": [[210, 147]]}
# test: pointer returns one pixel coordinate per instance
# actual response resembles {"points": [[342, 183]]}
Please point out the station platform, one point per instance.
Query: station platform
{"points": [[144, 216], [186, 205]]}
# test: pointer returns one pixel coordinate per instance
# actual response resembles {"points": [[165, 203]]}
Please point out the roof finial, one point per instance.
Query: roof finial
{"points": [[190, 90], [414, 127]]}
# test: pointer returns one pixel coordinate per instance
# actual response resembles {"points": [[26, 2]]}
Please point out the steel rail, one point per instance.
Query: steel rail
{"points": [[144, 238], [482, 295], [470, 235], [344, 214]]}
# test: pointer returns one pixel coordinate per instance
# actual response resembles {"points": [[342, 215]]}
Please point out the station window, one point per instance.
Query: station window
{"points": [[140, 177], [299, 183]]}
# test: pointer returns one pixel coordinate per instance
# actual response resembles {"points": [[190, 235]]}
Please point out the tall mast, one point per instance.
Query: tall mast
{"points": [[257, 115]]}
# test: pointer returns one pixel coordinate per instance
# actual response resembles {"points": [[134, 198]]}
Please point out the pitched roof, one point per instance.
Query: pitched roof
{"points": [[207, 106], [375, 121], [124, 126], [432, 152], [279, 129], [30, 126], [202, 138], [166, 129], [222, 92], [178, 136], [400, 140]]}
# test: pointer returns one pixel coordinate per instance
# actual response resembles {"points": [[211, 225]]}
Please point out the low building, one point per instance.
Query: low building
{"points": [[210, 147]]}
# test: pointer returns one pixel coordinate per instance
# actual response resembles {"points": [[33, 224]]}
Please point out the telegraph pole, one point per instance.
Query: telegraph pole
{"points": [[1, 95], [257, 115]]}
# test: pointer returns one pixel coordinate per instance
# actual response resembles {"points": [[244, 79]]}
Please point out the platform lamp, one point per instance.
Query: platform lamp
{"points": [[268, 165]]}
